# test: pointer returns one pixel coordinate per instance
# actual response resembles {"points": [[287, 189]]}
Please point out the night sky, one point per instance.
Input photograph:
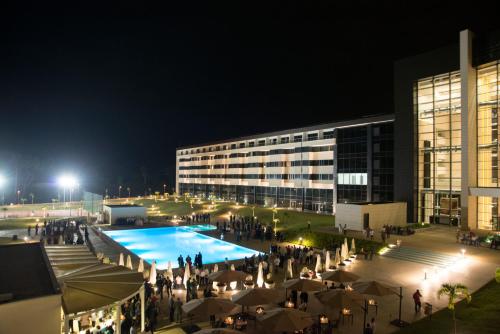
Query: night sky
{"points": [[108, 91]]}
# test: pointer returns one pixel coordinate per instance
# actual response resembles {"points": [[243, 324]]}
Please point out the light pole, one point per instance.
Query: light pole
{"points": [[128, 189], [67, 182], [18, 195], [164, 189], [119, 191], [2, 182]]}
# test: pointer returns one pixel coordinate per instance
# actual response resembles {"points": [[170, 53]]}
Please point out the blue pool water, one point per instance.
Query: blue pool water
{"points": [[165, 244]]}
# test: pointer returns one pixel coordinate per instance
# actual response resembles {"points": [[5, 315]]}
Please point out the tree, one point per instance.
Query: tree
{"points": [[23, 200], [454, 291]]}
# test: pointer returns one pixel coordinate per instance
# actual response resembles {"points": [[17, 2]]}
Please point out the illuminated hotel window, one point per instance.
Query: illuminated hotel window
{"points": [[439, 147]]}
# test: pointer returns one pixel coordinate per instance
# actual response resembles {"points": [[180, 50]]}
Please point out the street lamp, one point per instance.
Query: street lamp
{"points": [[18, 195], [67, 182], [119, 191], [164, 189], [2, 182]]}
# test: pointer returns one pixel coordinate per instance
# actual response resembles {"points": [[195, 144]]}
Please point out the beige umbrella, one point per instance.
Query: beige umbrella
{"points": [[141, 265], [339, 298], [120, 261], [170, 273], [152, 273], [289, 269], [285, 320], [129, 262], [353, 246], [260, 275], [217, 331], [232, 267], [216, 268], [303, 285], [227, 276], [337, 257], [373, 288], [339, 276], [208, 306], [318, 263], [257, 296], [327, 261], [187, 275]]}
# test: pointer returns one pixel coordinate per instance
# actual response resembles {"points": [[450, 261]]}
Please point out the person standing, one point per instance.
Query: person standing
{"points": [[168, 284], [416, 299], [178, 310], [171, 307], [160, 284], [372, 325]]}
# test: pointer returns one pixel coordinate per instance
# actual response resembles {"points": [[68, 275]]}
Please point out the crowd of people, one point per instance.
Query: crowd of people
{"points": [[65, 231]]}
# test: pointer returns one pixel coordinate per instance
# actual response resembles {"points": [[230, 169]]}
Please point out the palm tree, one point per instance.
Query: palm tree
{"points": [[454, 291]]}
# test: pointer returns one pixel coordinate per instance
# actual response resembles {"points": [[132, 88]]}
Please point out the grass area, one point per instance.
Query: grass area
{"points": [[8, 241], [19, 223], [481, 315]]}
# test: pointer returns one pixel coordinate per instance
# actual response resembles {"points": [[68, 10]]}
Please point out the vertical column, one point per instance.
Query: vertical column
{"points": [[369, 162], [143, 307], [468, 203], [118, 321]]}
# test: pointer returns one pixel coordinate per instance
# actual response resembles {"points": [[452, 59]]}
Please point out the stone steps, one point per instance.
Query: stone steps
{"points": [[422, 256]]}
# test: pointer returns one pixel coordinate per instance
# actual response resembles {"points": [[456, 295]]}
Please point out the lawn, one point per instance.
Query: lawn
{"points": [[481, 315], [18, 223]]}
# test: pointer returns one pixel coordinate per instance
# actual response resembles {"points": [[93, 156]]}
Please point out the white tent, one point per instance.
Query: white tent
{"points": [[260, 276], [337, 257], [318, 263], [289, 268], [353, 246], [129, 262], [327, 261], [187, 275], [343, 253], [120, 261], [152, 273], [140, 268]]}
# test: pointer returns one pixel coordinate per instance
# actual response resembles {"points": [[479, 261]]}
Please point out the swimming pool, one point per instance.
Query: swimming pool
{"points": [[165, 244]]}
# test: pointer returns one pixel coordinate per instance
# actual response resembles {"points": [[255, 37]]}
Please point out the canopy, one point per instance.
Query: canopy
{"points": [[208, 306], [226, 276], [339, 298], [303, 285], [257, 296], [285, 320], [88, 286], [339, 276]]}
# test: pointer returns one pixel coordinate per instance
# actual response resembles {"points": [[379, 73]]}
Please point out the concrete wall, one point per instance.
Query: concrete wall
{"points": [[123, 212], [380, 214], [38, 315]]}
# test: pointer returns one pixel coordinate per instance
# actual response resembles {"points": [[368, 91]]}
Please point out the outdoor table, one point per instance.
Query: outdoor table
{"points": [[345, 315], [373, 303]]}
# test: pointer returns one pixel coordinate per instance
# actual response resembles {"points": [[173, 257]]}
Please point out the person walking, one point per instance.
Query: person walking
{"points": [[416, 299]]}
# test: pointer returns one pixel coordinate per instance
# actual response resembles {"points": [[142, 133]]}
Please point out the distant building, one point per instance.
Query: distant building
{"points": [[30, 298], [114, 213], [310, 168]]}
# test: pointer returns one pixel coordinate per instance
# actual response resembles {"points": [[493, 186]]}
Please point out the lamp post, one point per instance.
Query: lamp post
{"points": [[67, 182], [119, 191], [128, 189], [18, 195], [2, 182], [164, 189]]}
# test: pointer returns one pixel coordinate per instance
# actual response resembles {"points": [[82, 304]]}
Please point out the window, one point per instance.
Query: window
{"points": [[376, 147], [328, 134], [297, 139], [233, 146], [251, 144], [376, 164], [242, 145], [261, 142], [274, 141], [285, 140], [312, 136], [376, 131]]}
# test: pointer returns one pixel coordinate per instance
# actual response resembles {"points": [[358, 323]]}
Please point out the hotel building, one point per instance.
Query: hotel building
{"points": [[308, 168], [447, 125]]}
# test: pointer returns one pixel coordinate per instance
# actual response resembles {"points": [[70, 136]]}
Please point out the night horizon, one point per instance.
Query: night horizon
{"points": [[109, 97]]}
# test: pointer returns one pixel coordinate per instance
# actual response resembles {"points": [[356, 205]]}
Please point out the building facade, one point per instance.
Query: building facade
{"points": [[308, 168], [446, 122]]}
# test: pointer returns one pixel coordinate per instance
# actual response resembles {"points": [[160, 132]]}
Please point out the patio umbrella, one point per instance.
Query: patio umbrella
{"points": [[373, 288], [187, 275], [339, 276], [303, 285], [152, 273], [232, 267], [337, 257], [170, 273], [208, 306], [318, 263], [120, 261], [129, 262], [216, 268], [353, 246], [140, 268], [260, 276], [289, 268], [257, 296], [327, 261], [227, 276], [285, 320], [217, 331], [343, 254], [339, 298]]}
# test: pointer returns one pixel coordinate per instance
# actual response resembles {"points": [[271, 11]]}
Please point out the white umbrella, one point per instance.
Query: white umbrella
{"points": [[260, 276], [129, 262], [318, 263], [187, 274], [140, 269], [170, 273], [289, 268], [345, 242], [216, 268], [152, 273], [121, 262], [232, 267], [327, 261], [337, 257], [353, 246]]}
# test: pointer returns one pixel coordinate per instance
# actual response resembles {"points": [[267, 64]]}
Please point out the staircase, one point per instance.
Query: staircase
{"points": [[422, 256]]}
